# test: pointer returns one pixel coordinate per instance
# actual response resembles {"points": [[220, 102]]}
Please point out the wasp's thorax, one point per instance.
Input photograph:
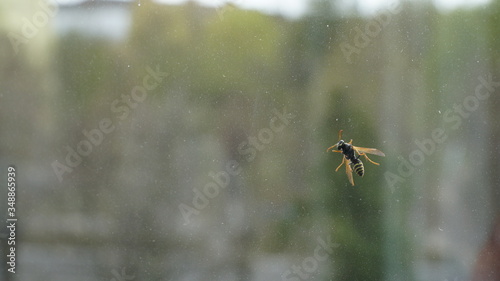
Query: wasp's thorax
{"points": [[346, 149], [342, 145]]}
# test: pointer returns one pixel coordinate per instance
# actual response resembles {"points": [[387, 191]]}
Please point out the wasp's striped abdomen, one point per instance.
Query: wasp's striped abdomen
{"points": [[358, 167]]}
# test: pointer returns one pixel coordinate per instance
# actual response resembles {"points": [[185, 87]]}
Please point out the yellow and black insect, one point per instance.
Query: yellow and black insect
{"points": [[352, 162]]}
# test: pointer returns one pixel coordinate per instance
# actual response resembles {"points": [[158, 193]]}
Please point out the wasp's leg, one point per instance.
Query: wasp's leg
{"points": [[366, 156], [343, 160], [332, 147]]}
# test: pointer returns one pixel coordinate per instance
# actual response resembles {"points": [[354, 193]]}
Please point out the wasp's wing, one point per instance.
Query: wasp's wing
{"points": [[369, 150], [348, 171]]}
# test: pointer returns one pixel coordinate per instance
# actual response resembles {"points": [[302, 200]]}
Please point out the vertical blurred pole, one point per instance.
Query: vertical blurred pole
{"points": [[487, 261], [495, 106], [396, 129], [391, 110]]}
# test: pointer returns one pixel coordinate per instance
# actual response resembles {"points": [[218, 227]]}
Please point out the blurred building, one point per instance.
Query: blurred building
{"points": [[105, 19]]}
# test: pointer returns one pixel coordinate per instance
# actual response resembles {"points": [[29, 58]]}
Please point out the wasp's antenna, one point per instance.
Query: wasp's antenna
{"points": [[335, 145], [331, 147]]}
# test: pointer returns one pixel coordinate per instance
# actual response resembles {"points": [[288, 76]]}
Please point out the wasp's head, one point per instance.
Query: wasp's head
{"points": [[341, 144]]}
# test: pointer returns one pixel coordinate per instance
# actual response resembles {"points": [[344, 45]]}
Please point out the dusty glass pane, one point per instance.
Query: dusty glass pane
{"points": [[187, 140]]}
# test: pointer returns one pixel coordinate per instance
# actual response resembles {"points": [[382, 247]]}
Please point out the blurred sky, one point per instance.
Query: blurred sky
{"points": [[295, 8]]}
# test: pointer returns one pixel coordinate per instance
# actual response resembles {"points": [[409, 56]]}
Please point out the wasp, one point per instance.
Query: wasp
{"points": [[351, 161]]}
